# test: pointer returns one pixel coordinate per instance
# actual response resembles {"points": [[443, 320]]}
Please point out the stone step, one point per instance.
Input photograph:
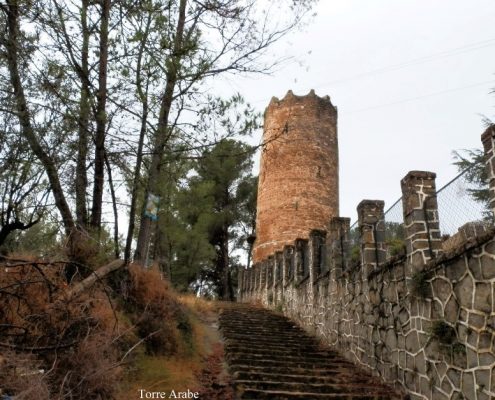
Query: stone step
{"points": [[289, 370], [283, 357], [276, 340], [255, 394], [282, 350], [327, 388], [335, 377], [270, 357], [301, 363]]}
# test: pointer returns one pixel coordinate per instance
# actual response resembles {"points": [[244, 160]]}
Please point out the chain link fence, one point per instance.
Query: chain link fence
{"points": [[463, 207], [463, 212], [394, 229], [462, 201]]}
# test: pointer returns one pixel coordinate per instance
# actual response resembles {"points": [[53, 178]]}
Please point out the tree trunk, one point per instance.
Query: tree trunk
{"points": [[114, 206], [226, 290], [23, 114], [143, 95], [101, 118], [81, 181], [162, 133], [93, 278], [7, 229]]}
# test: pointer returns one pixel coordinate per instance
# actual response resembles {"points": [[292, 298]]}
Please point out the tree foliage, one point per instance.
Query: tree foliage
{"points": [[106, 102], [206, 220], [473, 163]]}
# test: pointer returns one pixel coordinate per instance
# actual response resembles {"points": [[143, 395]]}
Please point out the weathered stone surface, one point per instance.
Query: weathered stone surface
{"points": [[482, 379], [441, 289], [432, 349], [468, 388], [464, 291], [451, 311], [485, 341], [486, 359], [475, 268], [488, 266], [391, 339], [454, 376], [472, 358], [456, 271], [483, 297], [476, 320], [438, 395], [412, 342], [459, 357]]}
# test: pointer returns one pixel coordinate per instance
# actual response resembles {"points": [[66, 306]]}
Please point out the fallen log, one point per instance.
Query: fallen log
{"points": [[100, 273]]}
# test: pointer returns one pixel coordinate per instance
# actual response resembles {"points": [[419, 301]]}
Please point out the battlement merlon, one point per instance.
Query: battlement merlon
{"points": [[290, 99]]}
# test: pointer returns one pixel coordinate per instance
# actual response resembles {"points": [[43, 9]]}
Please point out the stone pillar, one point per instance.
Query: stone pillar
{"points": [[488, 139], [270, 265], [251, 280], [278, 287], [338, 244], [247, 283], [300, 248], [257, 279], [371, 222], [240, 284], [288, 262], [278, 269], [263, 279], [421, 224], [316, 251]]}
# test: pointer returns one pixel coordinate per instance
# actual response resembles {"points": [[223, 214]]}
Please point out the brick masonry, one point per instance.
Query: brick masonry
{"points": [[423, 321], [298, 182]]}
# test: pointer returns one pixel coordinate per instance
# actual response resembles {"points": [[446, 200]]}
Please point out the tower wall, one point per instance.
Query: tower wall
{"points": [[298, 183]]}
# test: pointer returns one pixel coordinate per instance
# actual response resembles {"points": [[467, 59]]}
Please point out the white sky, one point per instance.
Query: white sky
{"points": [[445, 50]]}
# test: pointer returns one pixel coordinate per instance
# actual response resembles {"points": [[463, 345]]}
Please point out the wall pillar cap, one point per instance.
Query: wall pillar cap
{"points": [[289, 95], [372, 203], [317, 232], [341, 220], [419, 174]]}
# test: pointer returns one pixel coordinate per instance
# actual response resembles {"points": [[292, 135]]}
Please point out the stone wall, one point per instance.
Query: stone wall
{"points": [[424, 321], [298, 181]]}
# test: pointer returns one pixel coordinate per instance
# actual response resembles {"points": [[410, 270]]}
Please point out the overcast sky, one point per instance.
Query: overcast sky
{"points": [[410, 78]]}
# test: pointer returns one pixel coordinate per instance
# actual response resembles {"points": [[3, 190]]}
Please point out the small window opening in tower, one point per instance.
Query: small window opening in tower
{"points": [[286, 127]]}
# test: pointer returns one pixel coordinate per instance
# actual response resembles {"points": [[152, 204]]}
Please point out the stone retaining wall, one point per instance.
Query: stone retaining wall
{"points": [[424, 321]]}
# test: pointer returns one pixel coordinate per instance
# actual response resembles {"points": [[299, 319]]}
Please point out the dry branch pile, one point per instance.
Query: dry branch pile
{"points": [[60, 341]]}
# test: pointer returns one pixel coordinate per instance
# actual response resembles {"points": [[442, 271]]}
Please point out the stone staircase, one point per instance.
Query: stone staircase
{"points": [[269, 357]]}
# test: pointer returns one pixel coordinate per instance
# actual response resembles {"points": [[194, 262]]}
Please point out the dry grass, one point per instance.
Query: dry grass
{"points": [[195, 363], [76, 343], [198, 304], [89, 338]]}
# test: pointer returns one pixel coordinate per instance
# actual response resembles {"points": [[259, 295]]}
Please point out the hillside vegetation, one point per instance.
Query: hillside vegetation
{"points": [[118, 336]]}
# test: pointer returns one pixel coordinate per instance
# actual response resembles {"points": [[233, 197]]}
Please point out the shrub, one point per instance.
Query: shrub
{"points": [[420, 285], [75, 342], [15, 367], [157, 314], [396, 247]]}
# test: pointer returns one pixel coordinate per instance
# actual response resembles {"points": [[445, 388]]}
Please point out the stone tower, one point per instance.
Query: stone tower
{"points": [[298, 186]]}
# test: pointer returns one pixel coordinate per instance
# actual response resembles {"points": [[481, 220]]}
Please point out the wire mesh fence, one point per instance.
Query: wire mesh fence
{"points": [[353, 248], [464, 201], [463, 212], [394, 229]]}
